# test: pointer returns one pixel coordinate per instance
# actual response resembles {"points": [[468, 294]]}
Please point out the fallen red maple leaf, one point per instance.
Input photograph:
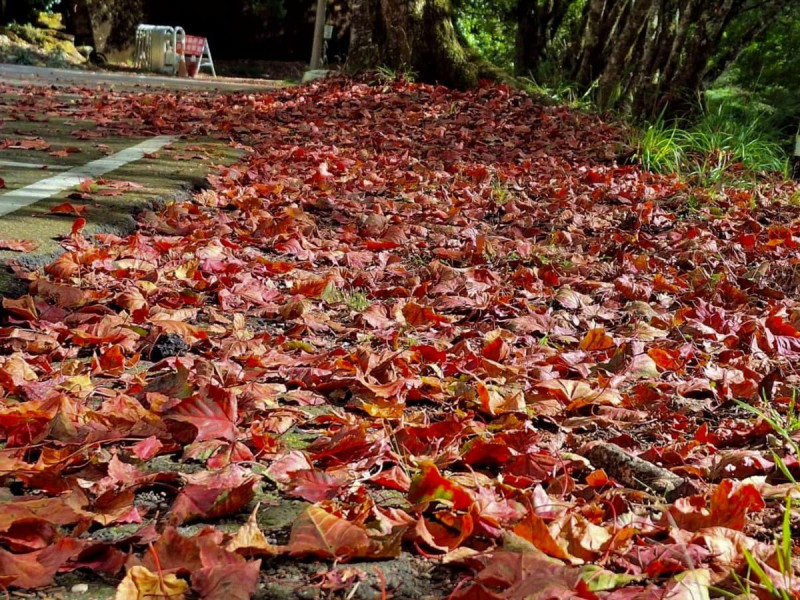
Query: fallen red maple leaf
{"points": [[213, 494], [78, 226], [67, 208], [213, 412], [37, 569], [19, 245], [429, 486], [727, 506], [316, 532]]}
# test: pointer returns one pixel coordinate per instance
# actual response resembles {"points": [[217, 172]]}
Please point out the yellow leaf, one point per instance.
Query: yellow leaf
{"points": [[141, 584], [250, 540], [77, 384], [597, 339]]}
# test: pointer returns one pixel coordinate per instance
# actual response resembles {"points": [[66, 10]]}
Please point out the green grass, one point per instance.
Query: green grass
{"points": [[565, 93], [713, 151], [355, 300], [785, 424], [783, 556], [734, 140], [403, 73]]}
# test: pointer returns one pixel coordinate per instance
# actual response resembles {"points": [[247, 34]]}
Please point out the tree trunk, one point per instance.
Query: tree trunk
{"points": [[683, 76], [106, 25], [591, 41], [538, 21], [528, 48], [410, 34], [617, 69]]}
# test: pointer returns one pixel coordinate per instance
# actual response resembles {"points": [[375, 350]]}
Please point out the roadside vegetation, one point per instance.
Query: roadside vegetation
{"points": [[739, 126]]}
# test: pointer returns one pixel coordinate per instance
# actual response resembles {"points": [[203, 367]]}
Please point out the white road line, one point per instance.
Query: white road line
{"points": [[24, 165], [30, 194]]}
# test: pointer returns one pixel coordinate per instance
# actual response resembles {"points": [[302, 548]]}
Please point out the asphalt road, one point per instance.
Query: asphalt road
{"points": [[35, 180], [24, 75]]}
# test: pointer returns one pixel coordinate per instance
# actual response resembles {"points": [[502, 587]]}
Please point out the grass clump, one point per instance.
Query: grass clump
{"points": [[732, 142], [710, 152], [355, 300]]}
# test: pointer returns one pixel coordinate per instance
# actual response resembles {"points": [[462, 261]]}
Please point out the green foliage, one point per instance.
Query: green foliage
{"points": [[29, 45], [785, 424], [268, 9], [564, 92], [748, 117], [760, 91], [769, 69], [26, 11], [489, 27], [28, 33]]}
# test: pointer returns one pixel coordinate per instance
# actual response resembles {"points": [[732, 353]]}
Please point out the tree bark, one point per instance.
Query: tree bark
{"points": [[411, 34], [591, 41], [538, 21], [684, 74], [527, 47], [618, 65]]}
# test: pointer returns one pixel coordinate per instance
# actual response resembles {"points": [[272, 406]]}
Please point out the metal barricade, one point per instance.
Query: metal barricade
{"points": [[157, 48]]}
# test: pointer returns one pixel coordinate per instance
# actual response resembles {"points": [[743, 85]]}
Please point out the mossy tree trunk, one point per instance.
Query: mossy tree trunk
{"points": [[417, 35]]}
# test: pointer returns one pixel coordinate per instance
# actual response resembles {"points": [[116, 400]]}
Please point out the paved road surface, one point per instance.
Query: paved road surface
{"points": [[25, 75], [35, 181]]}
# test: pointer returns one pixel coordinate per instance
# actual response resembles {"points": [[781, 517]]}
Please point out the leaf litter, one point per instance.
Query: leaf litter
{"points": [[417, 314]]}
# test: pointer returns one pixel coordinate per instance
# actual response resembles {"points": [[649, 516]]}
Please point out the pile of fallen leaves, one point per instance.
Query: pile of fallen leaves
{"points": [[489, 331]]}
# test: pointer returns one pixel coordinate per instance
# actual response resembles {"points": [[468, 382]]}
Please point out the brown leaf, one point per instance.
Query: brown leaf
{"points": [[23, 307], [316, 532], [237, 581], [68, 208], [534, 529], [418, 315], [213, 412], [728, 507], [212, 495], [37, 569], [19, 245]]}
